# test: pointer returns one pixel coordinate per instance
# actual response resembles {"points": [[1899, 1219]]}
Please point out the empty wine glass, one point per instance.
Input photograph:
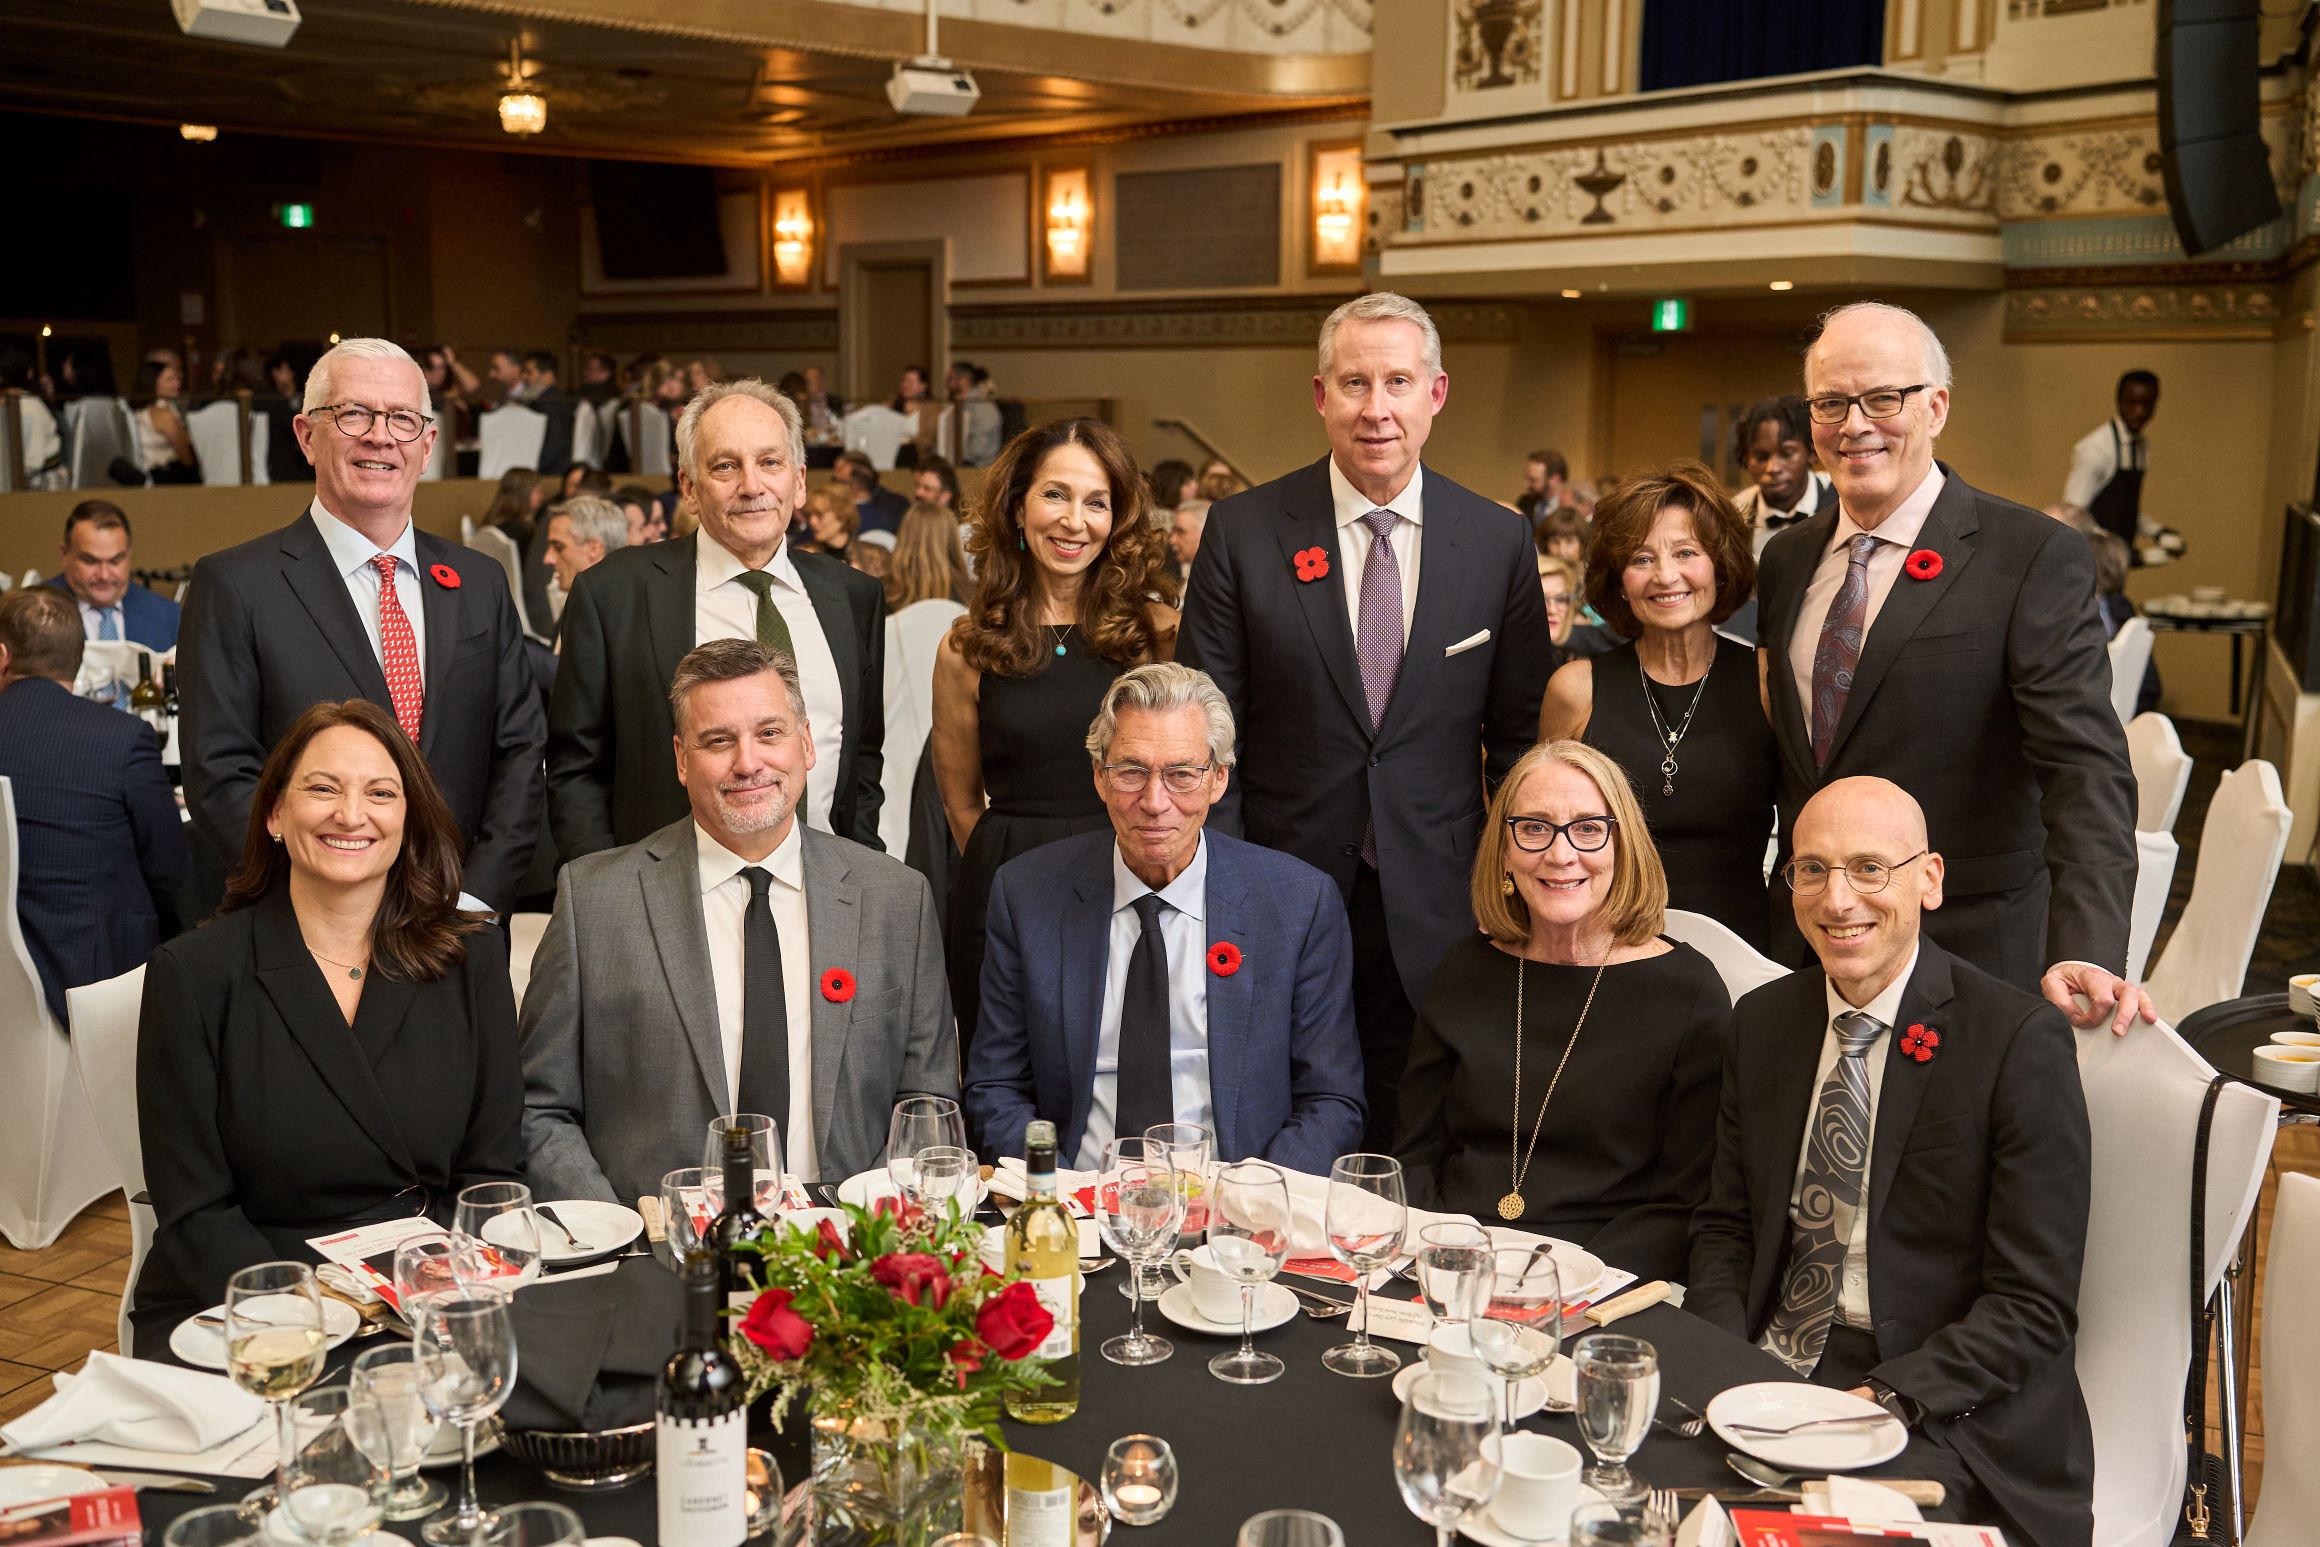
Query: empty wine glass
{"points": [[764, 1161], [214, 1525], [275, 1344], [424, 1265], [1249, 1223], [1618, 1525], [1137, 1209], [940, 1177], [1192, 1151], [467, 1366], [1517, 1319], [1453, 1264], [920, 1123], [1618, 1379], [335, 1489], [531, 1525], [388, 1378], [1365, 1218], [1439, 1462], [497, 1235], [685, 1210], [1289, 1528]]}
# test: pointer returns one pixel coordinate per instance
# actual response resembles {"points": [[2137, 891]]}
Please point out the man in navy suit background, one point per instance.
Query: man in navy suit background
{"points": [[98, 836], [95, 556], [1159, 973]]}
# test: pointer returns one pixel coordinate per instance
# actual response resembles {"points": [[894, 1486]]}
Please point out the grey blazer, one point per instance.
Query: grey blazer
{"points": [[623, 1065]]}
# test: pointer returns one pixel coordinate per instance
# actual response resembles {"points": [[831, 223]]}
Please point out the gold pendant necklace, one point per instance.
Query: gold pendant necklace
{"points": [[1511, 1206]]}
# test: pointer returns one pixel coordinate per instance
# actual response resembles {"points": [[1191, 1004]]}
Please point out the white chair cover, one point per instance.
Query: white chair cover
{"points": [[2143, 1094], [212, 429], [438, 465], [651, 458], [524, 932], [913, 636], [2290, 1502], [512, 437], [52, 1162], [877, 431], [2130, 651], [1736, 961], [501, 549], [2155, 857], [2240, 844], [2162, 771], [588, 440], [104, 1035], [96, 430]]}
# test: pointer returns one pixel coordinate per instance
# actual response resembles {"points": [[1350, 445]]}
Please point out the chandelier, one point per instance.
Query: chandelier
{"points": [[522, 111]]}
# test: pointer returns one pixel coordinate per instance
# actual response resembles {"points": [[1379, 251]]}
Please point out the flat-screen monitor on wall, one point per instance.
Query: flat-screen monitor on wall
{"points": [[2296, 610], [656, 222]]}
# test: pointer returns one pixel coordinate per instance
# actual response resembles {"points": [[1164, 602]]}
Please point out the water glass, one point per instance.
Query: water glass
{"points": [[497, 1236], [1453, 1265], [1440, 1462], [1365, 1218], [1517, 1321], [1626, 1524], [466, 1353], [944, 1175], [387, 1377], [1289, 1528], [1192, 1151], [425, 1265], [685, 1211], [335, 1490], [215, 1525], [1249, 1223], [275, 1344], [531, 1525], [921, 1123], [1139, 1481], [764, 1161], [1137, 1210], [1618, 1392]]}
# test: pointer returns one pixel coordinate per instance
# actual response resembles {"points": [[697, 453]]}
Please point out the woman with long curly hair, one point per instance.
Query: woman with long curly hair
{"points": [[1071, 589]]}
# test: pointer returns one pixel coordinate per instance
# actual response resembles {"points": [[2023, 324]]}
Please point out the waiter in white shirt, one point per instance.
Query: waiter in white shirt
{"points": [[2108, 463]]}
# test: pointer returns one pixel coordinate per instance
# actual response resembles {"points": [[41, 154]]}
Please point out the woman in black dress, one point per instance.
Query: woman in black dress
{"points": [[1566, 1064], [1678, 706], [1067, 569]]}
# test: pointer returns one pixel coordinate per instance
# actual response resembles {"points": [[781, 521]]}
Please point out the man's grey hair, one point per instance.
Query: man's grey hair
{"points": [[592, 515], [1162, 687], [1929, 342], [320, 387], [689, 422], [729, 660], [1382, 306]]}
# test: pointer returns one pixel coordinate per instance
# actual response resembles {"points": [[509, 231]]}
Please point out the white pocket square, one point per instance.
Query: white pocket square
{"points": [[1479, 637]]}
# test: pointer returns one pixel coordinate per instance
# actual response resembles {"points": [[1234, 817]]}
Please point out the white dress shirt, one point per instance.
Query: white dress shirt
{"points": [[724, 608], [1853, 1291], [1758, 511], [1186, 903], [1354, 539], [351, 552], [724, 899], [2097, 459], [1896, 535]]}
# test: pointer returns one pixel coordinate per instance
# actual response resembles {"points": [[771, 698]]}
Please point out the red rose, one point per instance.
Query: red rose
{"points": [[829, 1245], [774, 1327], [966, 1359], [837, 985], [1923, 564], [1224, 958], [914, 1278], [1312, 563], [445, 576], [1012, 1323], [905, 1212]]}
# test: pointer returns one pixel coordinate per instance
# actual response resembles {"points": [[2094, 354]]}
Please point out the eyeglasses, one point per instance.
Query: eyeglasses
{"points": [[354, 420], [1810, 877], [1877, 403], [1536, 835], [1177, 778]]}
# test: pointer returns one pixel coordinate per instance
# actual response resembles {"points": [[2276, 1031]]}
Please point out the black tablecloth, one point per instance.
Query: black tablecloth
{"points": [[2228, 1034]]}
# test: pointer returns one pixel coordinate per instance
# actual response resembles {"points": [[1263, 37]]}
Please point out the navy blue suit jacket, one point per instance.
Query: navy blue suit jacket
{"points": [[1284, 1060], [147, 617], [97, 833]]}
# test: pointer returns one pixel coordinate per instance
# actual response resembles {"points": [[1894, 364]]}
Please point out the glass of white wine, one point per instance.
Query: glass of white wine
{"points": [[274, 1341]]}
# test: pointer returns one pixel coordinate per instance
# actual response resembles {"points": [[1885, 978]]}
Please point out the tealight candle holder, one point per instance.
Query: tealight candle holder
{"points": [[1139, 1480]]}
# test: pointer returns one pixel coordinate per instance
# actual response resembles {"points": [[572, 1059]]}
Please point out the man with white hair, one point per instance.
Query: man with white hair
{"points": [[1380, 634], [1946, 639], [352, 600], [581, 531]]}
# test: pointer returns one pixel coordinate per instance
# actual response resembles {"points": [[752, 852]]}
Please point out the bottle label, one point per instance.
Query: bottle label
{"points": [[1061, 1297], [1039, 1517], [703, 1467]]}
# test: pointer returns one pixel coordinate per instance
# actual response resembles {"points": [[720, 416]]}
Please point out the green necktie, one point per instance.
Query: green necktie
{"points": [[772, 627]]}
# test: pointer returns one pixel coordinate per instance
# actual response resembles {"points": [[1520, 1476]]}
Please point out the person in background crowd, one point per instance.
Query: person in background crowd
{"points": [[831, 520], [581, 478], [825, 414], [914, 400], [504, 371], [1562, 534], [1773, 443], [2108, 463], [451, 403], [545, 394], [642, 507], [1559, 588], [285, 392], [515, 504], [44, 463], [1678, 706], [928, 563], [974, 415], [99, 846], [702, 374], [580, 533], [1546, 484], [1565, 534], [876, 507], [1173, 483], [599, 377], [871, 558], [2112, 560], [1359, 738], [1218, 481], [1185, 525], [937, 483], [94, 567], [164, 448]]}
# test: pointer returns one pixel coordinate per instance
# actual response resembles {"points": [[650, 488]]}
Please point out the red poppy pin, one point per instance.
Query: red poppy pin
{"points": [[837, 985], [1312, 563], [1920, 1042], [1923, 564], [1224, 958], [445, 576]]}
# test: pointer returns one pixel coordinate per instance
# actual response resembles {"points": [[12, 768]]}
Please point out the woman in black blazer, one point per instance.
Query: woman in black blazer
{"points": [[337, 1046]]}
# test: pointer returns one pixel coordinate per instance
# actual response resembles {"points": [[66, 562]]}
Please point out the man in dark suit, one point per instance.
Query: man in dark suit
{"points": [[1380, 633], [1899, 1197], [543, 392], [1946, 639], [352, 600], [879, 508], [1158, 973], [95, 570], [632, 618], [99, 842]]}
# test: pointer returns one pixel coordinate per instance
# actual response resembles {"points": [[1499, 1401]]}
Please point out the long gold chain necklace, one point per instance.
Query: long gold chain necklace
{"points": [[1511, 1206]]}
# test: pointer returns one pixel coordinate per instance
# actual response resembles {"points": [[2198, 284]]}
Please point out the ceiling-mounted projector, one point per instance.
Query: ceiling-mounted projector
{"points": [[927, 85], [267, 23]]}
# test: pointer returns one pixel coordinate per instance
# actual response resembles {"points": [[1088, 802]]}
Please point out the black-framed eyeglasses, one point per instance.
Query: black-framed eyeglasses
{"points": [[1810, 877], [1876, 403], [1536, 835], [1176, 778], [354, 420]]}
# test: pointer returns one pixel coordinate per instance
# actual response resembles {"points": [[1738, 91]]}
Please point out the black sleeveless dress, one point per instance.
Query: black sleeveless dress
{"points": [[1033, 732], [1712, 831]]}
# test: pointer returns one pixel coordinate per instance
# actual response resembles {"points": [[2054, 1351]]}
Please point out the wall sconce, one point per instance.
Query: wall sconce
{"points": [[1070, 224], [793, 239], [1340, 202], [523, 112]]}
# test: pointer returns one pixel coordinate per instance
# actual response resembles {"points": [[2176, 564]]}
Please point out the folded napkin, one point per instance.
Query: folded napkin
{"points": [[1309, 1206], [1009, 1181], [133, 1402], [1862, 1498], [592, 1349]]}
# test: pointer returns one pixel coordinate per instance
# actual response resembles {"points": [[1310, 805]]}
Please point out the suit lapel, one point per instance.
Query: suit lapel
{"points": [[1902, 1091], [1442, 579], [671, 882], [440, 604], [668, 606], [834, 939], [1947, 527], [291, 980], [321, 589], [1229, 918], [1086, 929], [1312, 523]]}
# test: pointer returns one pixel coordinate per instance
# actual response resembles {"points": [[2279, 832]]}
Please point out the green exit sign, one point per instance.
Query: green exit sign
{"points": [[1672, 314], [295, 217]]}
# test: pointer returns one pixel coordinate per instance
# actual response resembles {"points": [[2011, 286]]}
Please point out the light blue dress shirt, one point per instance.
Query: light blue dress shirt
{"points": [[351, 553], [1181, 928]]}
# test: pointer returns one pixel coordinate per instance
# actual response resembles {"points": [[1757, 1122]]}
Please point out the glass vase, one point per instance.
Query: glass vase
{"points": [[886, 1483]]}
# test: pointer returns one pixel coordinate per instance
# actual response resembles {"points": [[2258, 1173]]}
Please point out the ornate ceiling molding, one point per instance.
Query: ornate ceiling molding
{"points": [[1262, 321], [2142, 313]]}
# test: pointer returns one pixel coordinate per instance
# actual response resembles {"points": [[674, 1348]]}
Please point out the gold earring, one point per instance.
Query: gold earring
{"points": [[1506, 886]]}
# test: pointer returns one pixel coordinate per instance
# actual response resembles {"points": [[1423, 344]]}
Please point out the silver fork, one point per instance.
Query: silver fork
{"points": [[1319, 1306], [1690, 1428], [1664, 1503]]}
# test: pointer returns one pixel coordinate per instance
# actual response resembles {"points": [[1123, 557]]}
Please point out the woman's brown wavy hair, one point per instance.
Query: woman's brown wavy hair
{"points": [[418, 933], [1000, 632]]}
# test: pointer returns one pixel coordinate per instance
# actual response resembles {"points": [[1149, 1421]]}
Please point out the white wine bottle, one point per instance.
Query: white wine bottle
{"points": [[701, 1438], [1043, 1246]]}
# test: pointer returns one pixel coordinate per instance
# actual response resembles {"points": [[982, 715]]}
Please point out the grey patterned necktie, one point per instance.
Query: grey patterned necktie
{"points": [[1828, 1197], [1839, 650], [1378, 642]]}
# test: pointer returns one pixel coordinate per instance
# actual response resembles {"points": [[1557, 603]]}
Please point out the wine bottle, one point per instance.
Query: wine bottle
{"points": [[1043, 1247], [738, 1220], [700, 1431], [145, 698]]}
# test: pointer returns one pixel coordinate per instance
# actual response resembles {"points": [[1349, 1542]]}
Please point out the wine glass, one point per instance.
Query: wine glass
{"points": [[1192, 1151], [335, 1489], [1618, 1392], [467, 1366], [1439, 1461], [682, 1192], [1289, 1528], [214, 1525], [920, 1123], [1249, 1222], [531, 1525], [1365, 1219], [1611, 1524], [497, 1234], [941, 1176], [1137, 1209], [765, 1162], [1517, 1319], [1453, 1264], [387, 1377], [425, 1265], [275, 1344], [1139, 1479]]}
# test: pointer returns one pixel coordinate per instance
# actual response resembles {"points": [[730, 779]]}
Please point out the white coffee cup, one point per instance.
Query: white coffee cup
{"points": [[2289, 1067], [1449, 1348], [1538, 1485], [1216, 1294], [2300, 989], [2310, 1039]]}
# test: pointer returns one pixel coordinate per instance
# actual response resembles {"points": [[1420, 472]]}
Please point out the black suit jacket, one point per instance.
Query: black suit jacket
{"points": [[270, 631], [1977, 1187], [612, 771], [266, 1120], [1985, 693], [556, 444], [1313, 769]]}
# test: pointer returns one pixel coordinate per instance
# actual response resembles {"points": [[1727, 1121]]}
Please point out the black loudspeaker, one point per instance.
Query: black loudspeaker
{"points": [[2218, 175]]}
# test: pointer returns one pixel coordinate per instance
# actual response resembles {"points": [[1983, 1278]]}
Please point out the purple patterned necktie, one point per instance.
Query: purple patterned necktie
{"points": [[1839, 650], [1828, 1196], [1378, 642]]}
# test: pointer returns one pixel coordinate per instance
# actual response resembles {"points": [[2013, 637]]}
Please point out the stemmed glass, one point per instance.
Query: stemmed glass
{"points": [[1289, 1528], [940, 1176], [1192, 1151], [1439, 1461], [335, 1489], [765, 1163], [275, 1344], [1249, 1223], [920, 1123], [1137, 1209], [1453, 1265], [1517, 1322], [1365, 1219], [531, 1525], [425, 1265], [387, 1378], [497, 1235], [466, 1351], [1618, 1393], [1618, 1525], [681, 1189]]}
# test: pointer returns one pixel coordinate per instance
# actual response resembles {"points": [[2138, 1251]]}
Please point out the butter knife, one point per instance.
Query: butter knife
{"points": [[163, 1482]]}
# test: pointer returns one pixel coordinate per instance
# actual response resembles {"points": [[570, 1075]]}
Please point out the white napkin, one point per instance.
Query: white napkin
{"points": [[1009, 1181], [136, 1402], [1309, 1204], [1706, 1526], [1857, 1498]]}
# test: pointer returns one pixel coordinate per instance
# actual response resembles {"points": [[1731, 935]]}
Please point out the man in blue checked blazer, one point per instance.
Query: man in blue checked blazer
{"points": [[1159, 973]]}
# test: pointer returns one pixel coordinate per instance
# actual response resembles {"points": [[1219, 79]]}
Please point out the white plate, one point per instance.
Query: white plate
{"points": [[1530, 1397], [1275, 1306], [861, 1189], [1484, 1528], [443, 1450], [30, 1484], [604, 1229], [205, 1347], [1777, 1404], [1577, 1269]]}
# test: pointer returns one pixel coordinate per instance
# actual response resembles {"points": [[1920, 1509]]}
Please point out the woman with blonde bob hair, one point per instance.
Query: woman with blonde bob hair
{"points": [[1566, 1065]]}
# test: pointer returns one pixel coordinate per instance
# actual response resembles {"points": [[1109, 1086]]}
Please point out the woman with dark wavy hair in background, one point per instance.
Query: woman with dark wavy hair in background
{"points": [[1071, 590]]}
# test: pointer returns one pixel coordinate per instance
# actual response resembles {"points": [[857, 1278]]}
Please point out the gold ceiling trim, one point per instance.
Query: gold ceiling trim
{"points": [[1356, 108]]}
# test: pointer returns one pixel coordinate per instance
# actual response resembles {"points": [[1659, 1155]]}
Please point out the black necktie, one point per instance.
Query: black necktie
{"points": [[1144, 1097], [1774, 522], [764, 1007]]}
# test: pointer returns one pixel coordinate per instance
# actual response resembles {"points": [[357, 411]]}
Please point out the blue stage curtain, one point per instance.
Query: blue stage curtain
{"points": [[1704, 42]]}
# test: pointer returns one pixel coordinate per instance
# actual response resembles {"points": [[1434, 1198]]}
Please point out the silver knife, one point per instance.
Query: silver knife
{"points": [[164, 1482]]}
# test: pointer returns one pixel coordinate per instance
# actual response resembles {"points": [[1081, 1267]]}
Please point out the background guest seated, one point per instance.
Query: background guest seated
{"points": [[95, 568]]}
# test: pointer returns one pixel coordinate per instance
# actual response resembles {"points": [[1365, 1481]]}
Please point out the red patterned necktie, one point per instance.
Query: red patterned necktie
{"points": [[399, 652]]}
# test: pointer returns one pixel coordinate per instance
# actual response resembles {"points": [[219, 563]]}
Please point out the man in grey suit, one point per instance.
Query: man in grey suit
{"points": [[734, 961]]}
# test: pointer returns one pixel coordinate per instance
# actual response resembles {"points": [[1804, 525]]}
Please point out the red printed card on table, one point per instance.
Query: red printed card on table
{"points": [[107, 1518]]}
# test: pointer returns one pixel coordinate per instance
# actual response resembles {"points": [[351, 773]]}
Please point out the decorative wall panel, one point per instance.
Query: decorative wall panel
{"points": [[1246, 26]]}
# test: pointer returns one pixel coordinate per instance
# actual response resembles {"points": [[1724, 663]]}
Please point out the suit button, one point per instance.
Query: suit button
{"points": [[1373, 762], [1351, 851]]}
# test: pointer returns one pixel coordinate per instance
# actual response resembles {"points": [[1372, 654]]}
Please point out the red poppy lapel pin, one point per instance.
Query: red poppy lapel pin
{"points": [[1224, 958], [1312, 564], [837, 985], [1920, 1042], [1922, 564], [445, 576]]}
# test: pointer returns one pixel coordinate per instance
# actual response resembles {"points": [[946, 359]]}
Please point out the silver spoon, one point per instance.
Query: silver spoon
{"points": [[547, 1211]]}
